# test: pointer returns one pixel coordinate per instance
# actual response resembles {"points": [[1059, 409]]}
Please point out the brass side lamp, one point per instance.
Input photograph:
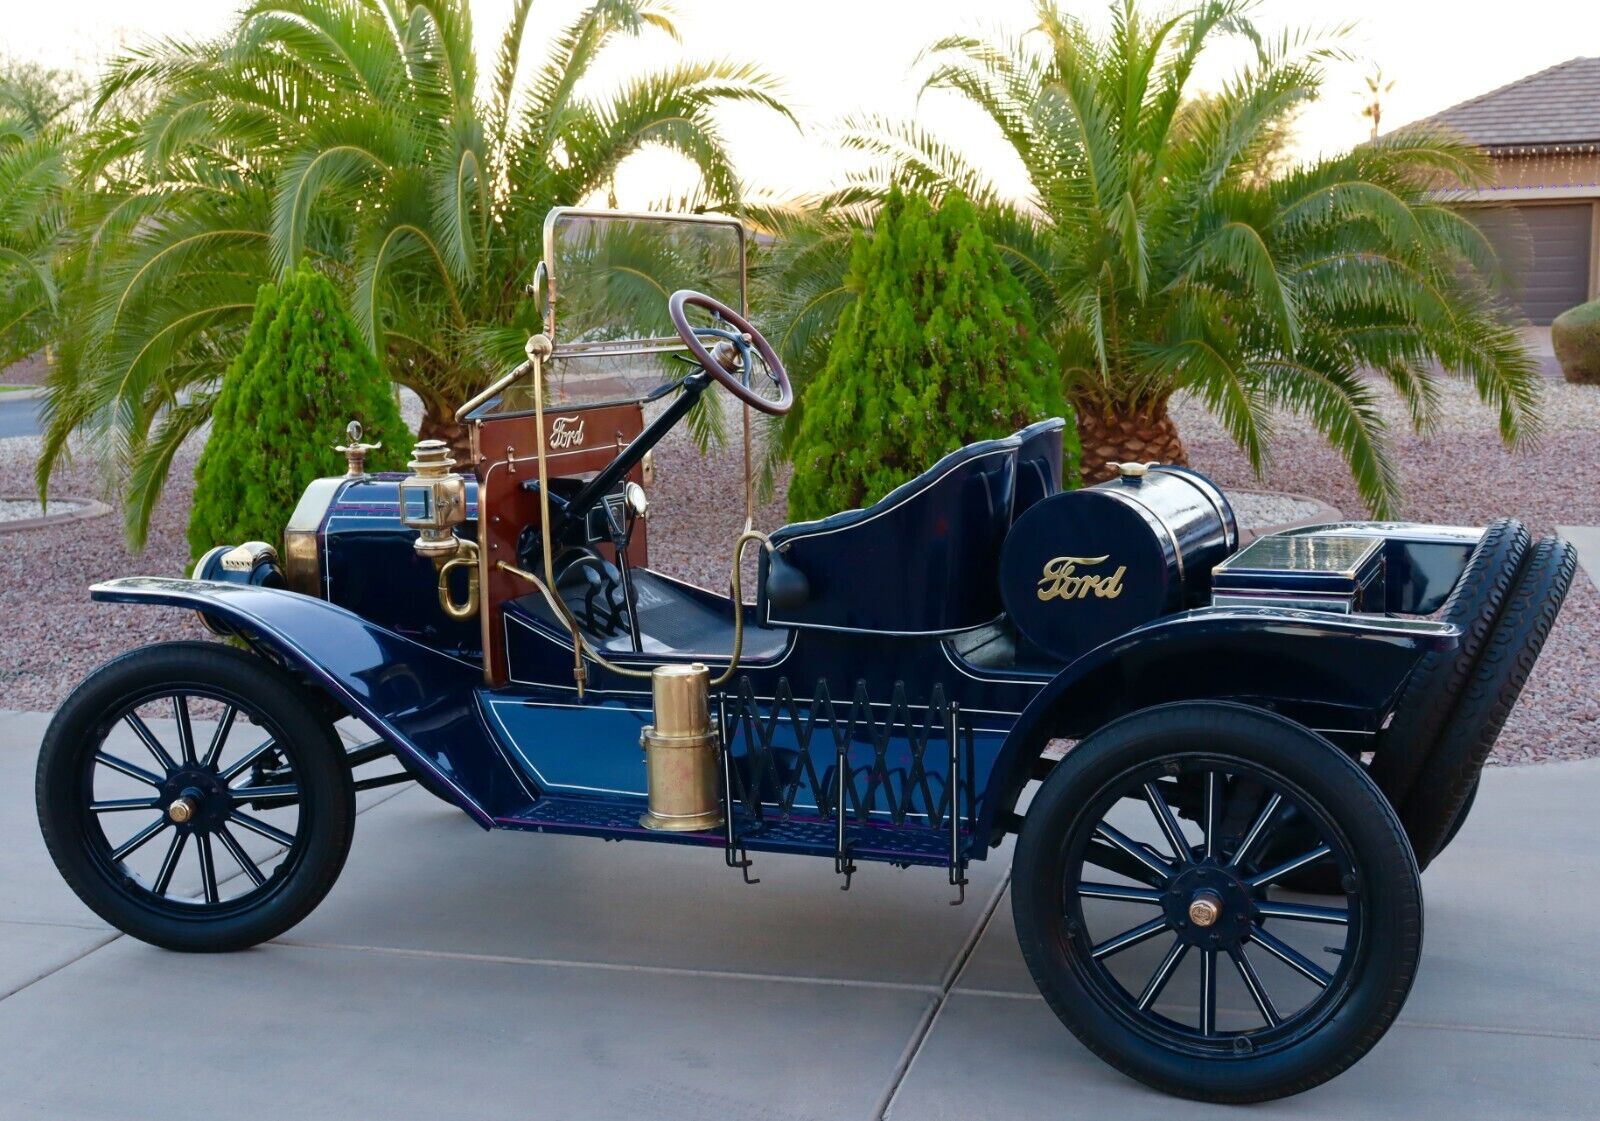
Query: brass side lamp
{"points": [[433, 501]]}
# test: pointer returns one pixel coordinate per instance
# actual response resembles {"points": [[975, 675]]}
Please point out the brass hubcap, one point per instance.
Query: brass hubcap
{"points": [[1205, 908], [182, 809]]}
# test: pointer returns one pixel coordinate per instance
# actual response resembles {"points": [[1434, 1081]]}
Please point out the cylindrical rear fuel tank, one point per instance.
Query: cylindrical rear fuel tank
{"points": [[1083, 566]]}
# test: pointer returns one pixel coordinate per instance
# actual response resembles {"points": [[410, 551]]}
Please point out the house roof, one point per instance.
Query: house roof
{"points": [[1557, 106]]}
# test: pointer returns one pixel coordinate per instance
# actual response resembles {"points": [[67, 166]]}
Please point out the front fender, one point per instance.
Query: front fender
{"points": [[1338, 674], [421, 702]]}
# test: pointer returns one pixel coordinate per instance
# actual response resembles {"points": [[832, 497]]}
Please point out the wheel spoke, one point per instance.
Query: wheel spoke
{"points": [[208, 868], [1291, 957], [1132, 848], [277, 795], [122, 766], [117, 805], [1288, 866], [1118, 892], [1208, 992], [1252, 981], [261, 828], [1169, 824], [1209, 824], [142, 730], [220, 736], [250, 757], [240, 857], [1141, 933], [1333, 916], [1163, 974], [1256, 830], [136, 842], [1102, 855], [169, 863], [180, 713]]}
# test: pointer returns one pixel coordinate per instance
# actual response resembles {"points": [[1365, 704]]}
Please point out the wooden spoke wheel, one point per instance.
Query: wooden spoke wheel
{"points": [[1146, 905], [193, 799]]}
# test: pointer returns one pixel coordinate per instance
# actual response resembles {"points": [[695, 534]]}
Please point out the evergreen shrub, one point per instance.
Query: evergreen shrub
{"points": [[304, 373], [938, 348]]}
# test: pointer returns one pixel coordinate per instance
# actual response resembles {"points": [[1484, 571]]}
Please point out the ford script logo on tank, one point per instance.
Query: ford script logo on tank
{"points": [[1063, 579], [566, 432]]}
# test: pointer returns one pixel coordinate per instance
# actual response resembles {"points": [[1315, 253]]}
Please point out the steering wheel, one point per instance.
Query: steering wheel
{"points": [[744, 339]]}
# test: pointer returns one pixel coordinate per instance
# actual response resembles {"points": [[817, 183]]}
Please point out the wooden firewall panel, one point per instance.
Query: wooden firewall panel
{"points": [[579, 443]]}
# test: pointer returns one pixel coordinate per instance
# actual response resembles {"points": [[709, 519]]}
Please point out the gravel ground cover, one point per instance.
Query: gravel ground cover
{"points": [[50, 635], [1256, 511]]}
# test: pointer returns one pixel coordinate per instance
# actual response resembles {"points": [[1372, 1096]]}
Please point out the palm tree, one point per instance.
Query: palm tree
{"points": [[36, 105], [38, 96], [355, 133], [1377, 90], [33, 213], [1162, 262]]}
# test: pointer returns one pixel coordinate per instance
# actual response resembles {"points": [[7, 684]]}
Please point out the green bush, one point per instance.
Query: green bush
{"points": [[939, 348], [303, 375], [1575, 337]]}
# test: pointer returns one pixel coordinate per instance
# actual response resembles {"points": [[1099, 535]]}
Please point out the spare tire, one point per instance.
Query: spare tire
{"points": [[1450, 771], [1435, 687]]}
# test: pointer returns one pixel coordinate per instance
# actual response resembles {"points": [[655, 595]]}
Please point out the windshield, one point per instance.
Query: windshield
{"points": [[610, 274]]}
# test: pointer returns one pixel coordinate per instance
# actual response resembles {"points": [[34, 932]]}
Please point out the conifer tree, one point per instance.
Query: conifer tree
{"points": [[303, 375], [939, 348]]}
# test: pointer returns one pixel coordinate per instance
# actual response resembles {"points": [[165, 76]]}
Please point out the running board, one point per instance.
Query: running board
{"points": [[617, 819]]}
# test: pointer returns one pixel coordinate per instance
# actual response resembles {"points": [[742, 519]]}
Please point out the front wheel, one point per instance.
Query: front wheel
{"points": [[192, 797], [1147, 912]]}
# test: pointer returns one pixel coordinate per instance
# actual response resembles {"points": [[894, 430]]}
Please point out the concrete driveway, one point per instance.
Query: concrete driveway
{"points": [[454, 973], [19, 415]]}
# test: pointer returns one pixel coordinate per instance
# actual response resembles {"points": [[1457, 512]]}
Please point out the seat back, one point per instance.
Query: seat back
{"points": [[1038, 463], [923, 560]]}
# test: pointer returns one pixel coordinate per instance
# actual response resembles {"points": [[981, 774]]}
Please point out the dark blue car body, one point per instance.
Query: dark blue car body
{"points": [[847, 698]]}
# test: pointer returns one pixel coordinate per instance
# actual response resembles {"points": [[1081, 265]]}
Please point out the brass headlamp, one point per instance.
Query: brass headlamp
{"points": [[433, 501]]}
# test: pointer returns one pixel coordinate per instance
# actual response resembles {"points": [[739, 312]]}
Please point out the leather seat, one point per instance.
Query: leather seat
{"points": [[922, 560], [1038, 463]]}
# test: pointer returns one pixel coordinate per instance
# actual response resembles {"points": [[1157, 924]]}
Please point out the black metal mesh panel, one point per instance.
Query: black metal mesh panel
{"points": [[787, 751]]}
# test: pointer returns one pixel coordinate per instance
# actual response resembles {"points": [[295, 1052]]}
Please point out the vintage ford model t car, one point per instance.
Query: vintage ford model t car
{"points": [[1224, 761]]}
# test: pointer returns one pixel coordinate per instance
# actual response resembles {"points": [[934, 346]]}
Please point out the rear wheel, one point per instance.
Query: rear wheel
{"points": [[192, 797], [1146, 910]]}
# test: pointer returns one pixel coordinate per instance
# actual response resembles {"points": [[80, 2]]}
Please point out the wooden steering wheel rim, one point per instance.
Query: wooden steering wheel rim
{"points": [[687, 297]]}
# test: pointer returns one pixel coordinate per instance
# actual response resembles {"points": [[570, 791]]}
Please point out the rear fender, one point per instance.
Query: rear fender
{"points": [[420, 702], [1338, 674]]}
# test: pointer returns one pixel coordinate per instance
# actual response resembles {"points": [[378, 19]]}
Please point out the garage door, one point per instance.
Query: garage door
{"points": [[1546, 249]]}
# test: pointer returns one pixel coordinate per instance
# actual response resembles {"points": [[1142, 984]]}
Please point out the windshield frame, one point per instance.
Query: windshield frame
{"points": [[644, 345]]}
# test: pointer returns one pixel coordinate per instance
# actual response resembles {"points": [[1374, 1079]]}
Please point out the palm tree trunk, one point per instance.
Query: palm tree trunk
{"points": [[1142, 434], [439, 423]]}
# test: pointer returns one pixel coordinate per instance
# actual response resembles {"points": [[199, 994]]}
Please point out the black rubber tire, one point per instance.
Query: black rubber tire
{"points": [[1435, 687], [1450, 772], [1461, 817], [304, 737], [1384, 962], [1325, 881]]}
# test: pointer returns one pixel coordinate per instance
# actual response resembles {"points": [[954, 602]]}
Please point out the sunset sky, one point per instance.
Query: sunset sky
{"points": [[836, 57]]}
